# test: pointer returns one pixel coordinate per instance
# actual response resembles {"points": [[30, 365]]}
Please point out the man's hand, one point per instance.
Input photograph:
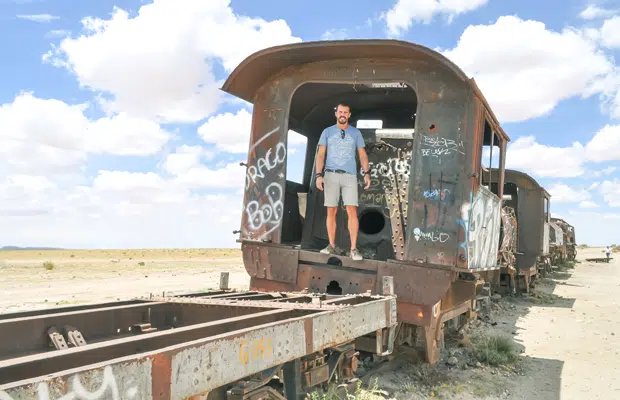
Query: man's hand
{"points": [[366, 181], [319, 183]]}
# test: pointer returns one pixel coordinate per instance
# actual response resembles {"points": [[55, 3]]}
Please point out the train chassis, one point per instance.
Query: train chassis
{"points": [[221, 344]]}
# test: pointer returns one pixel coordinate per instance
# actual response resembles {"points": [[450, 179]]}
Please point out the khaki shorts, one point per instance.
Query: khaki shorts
{"points": [[334, 183]]}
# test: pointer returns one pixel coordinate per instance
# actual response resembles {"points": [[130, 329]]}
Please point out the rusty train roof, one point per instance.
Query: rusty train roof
{"points": [[252, 72], [517, 177], [246, 79]]}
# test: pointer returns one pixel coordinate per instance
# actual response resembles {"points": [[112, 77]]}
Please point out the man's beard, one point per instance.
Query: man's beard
{"points": [[342, 120]]}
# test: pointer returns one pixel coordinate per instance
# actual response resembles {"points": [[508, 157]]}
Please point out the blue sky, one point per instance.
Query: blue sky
{"points": [[106, 142]]}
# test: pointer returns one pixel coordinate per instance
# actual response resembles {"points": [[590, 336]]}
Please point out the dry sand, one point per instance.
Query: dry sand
{"points": [[570, 346]]}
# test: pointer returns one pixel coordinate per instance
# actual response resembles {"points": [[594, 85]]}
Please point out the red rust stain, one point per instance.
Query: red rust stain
{"points": [[161, 376]]}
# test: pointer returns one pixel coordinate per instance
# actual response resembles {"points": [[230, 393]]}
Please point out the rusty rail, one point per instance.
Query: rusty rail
{"points": [[182, 346]]}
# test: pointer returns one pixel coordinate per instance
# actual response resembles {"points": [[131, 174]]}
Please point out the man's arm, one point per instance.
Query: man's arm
{"points": [[320, 159], [320, 155], [363, 158], [362, 151]]}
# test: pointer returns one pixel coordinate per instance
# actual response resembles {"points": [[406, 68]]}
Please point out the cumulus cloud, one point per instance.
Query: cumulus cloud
{"points": [[231, 132], [541, 160], [610, 190], [404, 13], [60, 138], [593, 12], [159, 64], [562, 193], [185, 158], [525, 69]]}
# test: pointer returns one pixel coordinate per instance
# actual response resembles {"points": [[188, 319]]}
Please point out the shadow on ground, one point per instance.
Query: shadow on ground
{"points": [[465, 372]]}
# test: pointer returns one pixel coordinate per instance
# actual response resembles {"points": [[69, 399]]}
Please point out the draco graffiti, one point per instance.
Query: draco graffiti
{"points": [[272, 159]]}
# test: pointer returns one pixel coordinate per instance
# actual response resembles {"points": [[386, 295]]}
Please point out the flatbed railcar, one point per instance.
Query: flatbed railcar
{"points": [[221, 344], [426, 219]]}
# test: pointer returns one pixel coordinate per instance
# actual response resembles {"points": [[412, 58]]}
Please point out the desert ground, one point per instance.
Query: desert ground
{"points": [[564, 337]]}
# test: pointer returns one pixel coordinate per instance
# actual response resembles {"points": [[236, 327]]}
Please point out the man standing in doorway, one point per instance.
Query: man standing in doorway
{"points": [[340, 141]]}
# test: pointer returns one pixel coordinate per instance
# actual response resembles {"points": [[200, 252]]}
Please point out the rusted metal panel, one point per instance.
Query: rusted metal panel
{"points": [[334, 328], [417, 284], [273, 263], [438, 180], [201, 368]]}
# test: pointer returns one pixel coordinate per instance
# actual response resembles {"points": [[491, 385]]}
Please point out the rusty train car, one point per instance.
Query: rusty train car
{"points": [[540, 241], [426, 220], [568, 233], [531, 204]]}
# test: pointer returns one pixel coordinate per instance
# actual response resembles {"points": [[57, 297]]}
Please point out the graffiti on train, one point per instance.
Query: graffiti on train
{"points": [[481, 222], [433, 146], [274, 158], [267, 216], [393, 166], [108, 389], [432, 236]]}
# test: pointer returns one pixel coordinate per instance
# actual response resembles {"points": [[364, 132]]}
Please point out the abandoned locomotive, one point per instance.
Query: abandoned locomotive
{"points": [[426, 219]]}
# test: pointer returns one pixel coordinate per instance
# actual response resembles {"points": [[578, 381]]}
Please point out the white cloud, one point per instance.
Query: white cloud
{"points": [[610, 33], [611, 192], [125, 136], [588, 204], [60, 138], [158, 64], [231, 132], [562, 193], [231, 176], [593, 12], [120, 217], [405, 12], [605, 145], [527, 155], [185, 158], [605, 171], [38, 17], [525, 69]]}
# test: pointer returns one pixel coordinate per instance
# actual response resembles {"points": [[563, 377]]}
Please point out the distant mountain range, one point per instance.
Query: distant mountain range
{"points": [[28, 248]]}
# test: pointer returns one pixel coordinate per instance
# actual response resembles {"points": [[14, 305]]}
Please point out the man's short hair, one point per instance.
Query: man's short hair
{"points": [[344, 104]]}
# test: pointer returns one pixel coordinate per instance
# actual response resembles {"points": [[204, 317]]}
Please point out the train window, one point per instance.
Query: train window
{"points": [[546, 209], [295, 156], [491, 155], [369, 124]]}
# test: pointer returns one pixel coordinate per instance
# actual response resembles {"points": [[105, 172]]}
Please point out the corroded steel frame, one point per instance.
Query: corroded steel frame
{"points": [[191, 369]]}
